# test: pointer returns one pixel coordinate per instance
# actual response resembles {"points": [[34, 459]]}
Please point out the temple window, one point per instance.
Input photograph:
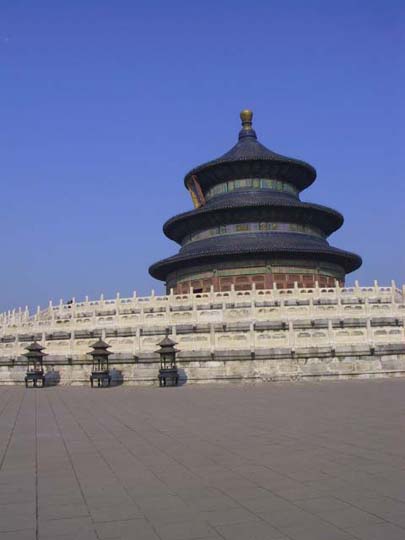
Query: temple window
{"points": [[264, 226], [251, 183]]}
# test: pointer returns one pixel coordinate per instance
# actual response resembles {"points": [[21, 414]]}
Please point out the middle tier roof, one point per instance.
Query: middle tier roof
{"points": [[252, 206]]}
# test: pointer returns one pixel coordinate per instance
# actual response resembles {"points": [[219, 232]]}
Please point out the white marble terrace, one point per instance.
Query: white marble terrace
{"points": [[235, 320]]}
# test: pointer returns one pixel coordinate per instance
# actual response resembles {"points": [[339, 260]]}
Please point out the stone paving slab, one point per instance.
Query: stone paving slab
{"points": [[294, 461]]}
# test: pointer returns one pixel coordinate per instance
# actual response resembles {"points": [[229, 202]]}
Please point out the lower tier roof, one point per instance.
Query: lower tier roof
{"points": [[266, 245]]}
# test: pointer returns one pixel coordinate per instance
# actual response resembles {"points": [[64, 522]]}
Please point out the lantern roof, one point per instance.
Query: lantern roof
{"points": [[100, 348], [34, 350], [35, 346], [167, 342], [167, 346], [100, 344]]}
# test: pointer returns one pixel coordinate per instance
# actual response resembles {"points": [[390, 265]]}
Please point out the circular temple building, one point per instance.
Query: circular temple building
{"points": [[249, 226]]}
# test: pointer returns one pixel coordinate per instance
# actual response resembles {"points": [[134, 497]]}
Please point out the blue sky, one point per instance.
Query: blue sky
{"points": [[106, 105]]}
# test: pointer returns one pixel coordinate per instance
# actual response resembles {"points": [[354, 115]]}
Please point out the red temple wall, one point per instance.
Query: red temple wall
{"points": [[261, 281]]}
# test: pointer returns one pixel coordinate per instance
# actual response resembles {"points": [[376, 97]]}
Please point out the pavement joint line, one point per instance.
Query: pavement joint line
{"points": [[7, 393], [154, 446], [236, 456], [71, 463], [198, 476], [108, 430], [244, 476], [3, 458], [36, 470], [107, 463]]}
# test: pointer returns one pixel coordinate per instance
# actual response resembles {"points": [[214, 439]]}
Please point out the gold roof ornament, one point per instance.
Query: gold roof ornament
{"points": [[246, 116]]}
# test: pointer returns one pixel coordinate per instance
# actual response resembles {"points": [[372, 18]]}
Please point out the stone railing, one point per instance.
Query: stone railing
{"points": [[274, 334], [210, 322]]}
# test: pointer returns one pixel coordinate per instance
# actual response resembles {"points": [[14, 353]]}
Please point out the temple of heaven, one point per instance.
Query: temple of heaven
{"points": [[249, 226]]}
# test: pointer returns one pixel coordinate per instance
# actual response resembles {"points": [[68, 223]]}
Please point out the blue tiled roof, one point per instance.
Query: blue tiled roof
{"points": [[249, 156], [246, 203], [290, 245]]}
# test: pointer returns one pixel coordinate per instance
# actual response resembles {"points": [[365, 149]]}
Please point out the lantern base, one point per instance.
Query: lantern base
{"points": [[168, 377], [103, 378], [33, 378]]}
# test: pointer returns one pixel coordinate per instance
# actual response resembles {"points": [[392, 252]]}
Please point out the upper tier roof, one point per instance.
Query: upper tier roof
{"points": [[251, 159]]}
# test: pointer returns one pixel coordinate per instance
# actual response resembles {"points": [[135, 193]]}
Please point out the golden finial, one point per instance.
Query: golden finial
{"points": [[246, 116]]}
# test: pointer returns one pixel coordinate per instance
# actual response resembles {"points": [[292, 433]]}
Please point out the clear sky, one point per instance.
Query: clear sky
{"points": [[105, 105]]}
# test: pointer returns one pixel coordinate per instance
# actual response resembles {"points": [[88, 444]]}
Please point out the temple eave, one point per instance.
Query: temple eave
{"points": [[348, 261], [327, 219], [301, 174]]}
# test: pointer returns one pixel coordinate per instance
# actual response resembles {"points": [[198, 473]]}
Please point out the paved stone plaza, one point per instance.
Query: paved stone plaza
{"points": [[299, 461]]}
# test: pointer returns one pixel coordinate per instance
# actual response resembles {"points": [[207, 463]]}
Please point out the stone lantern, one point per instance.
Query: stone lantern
{"points": [[168, 373], [35, 368], [100, 371]]}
